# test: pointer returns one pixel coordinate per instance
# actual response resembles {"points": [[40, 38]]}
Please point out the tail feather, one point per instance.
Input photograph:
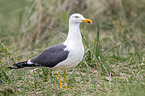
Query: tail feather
{"points": [[22, 65]]}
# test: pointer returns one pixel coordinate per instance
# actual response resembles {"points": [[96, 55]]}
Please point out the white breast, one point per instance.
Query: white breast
{"points": [[75, 55]]}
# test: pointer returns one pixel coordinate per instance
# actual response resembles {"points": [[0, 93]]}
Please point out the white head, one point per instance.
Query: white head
{"points": [[78, 18]]}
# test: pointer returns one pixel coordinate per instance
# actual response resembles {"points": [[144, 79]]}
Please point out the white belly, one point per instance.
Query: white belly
{"points": [[74, 58]]}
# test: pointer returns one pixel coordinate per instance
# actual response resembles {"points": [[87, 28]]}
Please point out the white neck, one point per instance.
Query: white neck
{"points": [[74, 35]]}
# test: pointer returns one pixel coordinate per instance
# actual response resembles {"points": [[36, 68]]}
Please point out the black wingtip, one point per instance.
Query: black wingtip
{"points": [[18, 65], [22, 65], [12, 67]]}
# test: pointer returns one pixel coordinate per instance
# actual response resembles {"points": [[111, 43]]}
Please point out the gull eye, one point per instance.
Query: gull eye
{"points": [[76, 16]]}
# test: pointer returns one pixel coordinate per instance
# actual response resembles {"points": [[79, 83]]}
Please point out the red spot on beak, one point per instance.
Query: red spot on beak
{"points": [[89, 21]]}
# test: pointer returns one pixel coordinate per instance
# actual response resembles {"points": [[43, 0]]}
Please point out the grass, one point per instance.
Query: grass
{"points": [[113, 64]]}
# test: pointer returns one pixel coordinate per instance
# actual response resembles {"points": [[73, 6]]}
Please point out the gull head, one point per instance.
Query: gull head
{"points": [[78, 18]]}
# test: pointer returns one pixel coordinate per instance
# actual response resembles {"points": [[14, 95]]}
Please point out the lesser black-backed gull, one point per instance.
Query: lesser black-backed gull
{"points": [[61, 56]]}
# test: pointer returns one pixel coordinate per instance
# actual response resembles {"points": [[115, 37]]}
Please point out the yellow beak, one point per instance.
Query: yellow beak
{"points": [[87, 20]]}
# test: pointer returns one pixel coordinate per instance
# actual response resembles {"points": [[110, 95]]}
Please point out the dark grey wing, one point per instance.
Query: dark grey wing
{"points": [[51, 56]]}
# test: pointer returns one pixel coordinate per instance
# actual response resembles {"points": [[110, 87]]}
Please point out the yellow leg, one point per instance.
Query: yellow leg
{"points": [[59, 79], [65, 86]]}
